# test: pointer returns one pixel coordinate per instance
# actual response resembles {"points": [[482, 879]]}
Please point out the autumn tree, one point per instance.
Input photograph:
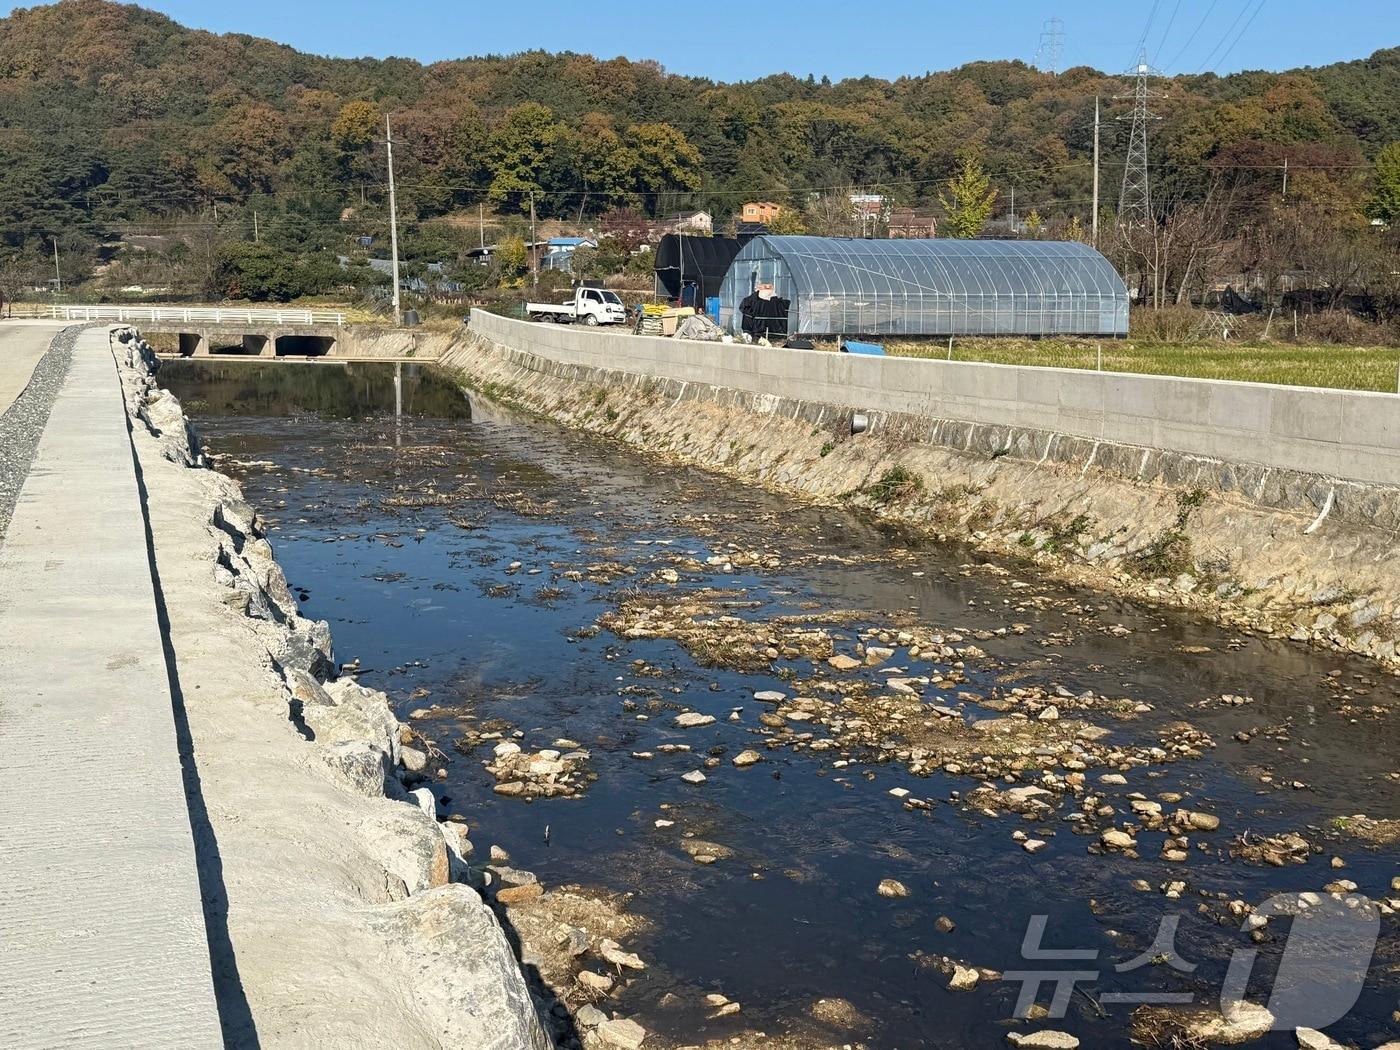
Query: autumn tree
{"points": [[607, 165], [356, 126], [512, 259], [245, 151], [1385, 199], [969, 199], [519, 150], [787, 221], [666, 161]]}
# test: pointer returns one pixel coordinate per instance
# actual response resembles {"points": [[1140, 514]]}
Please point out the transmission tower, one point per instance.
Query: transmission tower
{"points": [[1135, 202], [1052, 46]]}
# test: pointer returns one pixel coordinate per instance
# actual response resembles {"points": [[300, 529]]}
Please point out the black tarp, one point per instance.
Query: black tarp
{"points": [[1232, 302], [704, 260], [765, 317]]}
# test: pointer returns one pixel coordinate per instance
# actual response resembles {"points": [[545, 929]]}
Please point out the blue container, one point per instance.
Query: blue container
{"points": [[712, 308], [850, 346]]}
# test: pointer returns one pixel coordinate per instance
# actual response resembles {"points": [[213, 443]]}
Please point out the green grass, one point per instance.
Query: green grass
{"points": [[1344, 367]]}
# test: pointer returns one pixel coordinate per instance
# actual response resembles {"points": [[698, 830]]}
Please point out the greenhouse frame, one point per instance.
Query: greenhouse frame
{"points": [[849, 286]]}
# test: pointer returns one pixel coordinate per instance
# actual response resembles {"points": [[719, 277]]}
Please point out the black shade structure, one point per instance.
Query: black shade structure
{"points": [[849, 286], [704, 260]]}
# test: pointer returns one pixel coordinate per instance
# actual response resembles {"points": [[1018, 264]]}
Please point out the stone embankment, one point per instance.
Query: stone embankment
{"points": [[1291, 554], [341, 911]]}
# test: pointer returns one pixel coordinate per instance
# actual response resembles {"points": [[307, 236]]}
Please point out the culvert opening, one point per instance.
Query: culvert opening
{"points": [[305, 345], [235, 346]]}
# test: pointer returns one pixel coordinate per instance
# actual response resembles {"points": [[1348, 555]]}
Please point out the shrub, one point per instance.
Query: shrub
{"points": [[895, 484]]}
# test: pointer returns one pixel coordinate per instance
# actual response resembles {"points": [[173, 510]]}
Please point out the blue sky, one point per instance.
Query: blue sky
{"points": [[739, 39]]}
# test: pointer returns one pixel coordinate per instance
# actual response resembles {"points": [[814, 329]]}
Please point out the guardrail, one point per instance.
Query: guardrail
{"points": [[178, 314]]}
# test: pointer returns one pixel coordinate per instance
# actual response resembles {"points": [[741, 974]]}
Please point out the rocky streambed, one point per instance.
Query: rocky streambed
{"points": [[740, 772]]}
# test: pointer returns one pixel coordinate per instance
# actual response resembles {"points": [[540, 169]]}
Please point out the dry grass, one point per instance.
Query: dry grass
{"points": [[1344, 367]]}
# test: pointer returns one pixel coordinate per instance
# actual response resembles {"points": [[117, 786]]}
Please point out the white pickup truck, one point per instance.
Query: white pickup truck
{"points": [[592, 306]]}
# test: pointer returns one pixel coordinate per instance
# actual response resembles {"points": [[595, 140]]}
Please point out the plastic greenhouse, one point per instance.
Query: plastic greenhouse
{"points": [[849, 286]]}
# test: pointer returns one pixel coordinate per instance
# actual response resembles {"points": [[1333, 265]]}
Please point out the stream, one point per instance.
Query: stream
{"points": [[501, 575]]}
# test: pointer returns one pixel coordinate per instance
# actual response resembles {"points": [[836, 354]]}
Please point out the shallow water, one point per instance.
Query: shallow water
{"points": [[402, 534]]}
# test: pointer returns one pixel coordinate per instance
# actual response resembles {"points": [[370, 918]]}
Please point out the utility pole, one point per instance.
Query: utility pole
{"points": [[1285, 178], [57, 273], [1094, 226], [1135, 201], [481, 223], [257, 239], [393, 223], [534, 246], [1013, 210]]}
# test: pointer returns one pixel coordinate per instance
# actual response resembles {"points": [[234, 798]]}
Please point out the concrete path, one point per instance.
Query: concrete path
{"points": [[102, 936], [22, 343]]}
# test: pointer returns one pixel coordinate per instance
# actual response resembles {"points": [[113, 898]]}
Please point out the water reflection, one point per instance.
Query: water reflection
{"points": [[333, 390], [460, 565]]}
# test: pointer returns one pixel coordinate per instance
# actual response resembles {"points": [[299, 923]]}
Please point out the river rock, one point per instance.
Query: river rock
{"points": [[703, 852], [694, 777], [694, 720], [307, 647], [1312, 1039], [414, 761], [1197, 821], [611, 951], [598, 983], [1042, 1040], [519, 894], [964, 978], [355, 714], [544, 774], [747, 758], [485, 1000], [842, 662], [892, 888], [1239, 1022], [360, 766], [410, 846], [1115, 839], [589, 1016], [621, 1035]]}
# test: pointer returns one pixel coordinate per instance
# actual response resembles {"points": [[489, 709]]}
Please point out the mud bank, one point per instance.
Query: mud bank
{"points": [[1253, 552], [336, 902]]}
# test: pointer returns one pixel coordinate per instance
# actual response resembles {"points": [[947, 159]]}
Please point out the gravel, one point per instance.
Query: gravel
{"points": [[23, 423]]}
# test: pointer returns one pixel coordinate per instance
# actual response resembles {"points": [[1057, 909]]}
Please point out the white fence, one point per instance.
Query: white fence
{"points": [[179, 315]]}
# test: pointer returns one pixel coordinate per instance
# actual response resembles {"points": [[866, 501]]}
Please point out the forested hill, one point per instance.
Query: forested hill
{"points": [[111, 114]]}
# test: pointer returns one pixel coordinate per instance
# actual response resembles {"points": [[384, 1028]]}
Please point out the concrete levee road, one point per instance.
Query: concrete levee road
{"points": [[102, 933], [22, 343], [1344, 434]]}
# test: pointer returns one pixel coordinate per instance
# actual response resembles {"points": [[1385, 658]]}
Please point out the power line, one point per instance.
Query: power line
{"points": [[1168, 31], [1221, 61], [1194, 33], [1151, 15], [1226, 36]]}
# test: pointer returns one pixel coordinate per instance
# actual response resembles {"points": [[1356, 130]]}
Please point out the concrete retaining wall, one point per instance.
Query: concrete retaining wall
{"points": [[1333, 433]]}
